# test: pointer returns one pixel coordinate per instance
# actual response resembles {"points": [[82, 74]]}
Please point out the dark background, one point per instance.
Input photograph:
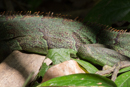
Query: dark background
{"points": [[70, 7]]}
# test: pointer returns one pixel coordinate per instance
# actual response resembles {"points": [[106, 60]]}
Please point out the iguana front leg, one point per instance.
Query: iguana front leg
{"points": [[101, 55]]}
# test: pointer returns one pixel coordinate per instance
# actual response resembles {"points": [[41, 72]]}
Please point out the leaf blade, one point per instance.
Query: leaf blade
{"points": [[123, 80], [79, 80]]}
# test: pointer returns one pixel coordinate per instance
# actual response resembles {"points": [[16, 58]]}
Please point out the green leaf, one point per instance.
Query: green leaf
{"points": [[28, 79], [41, 73], [60, 55], [124, 69], [43, 69], [79, 80], [109, 11], [88, 66], [123, 80]]}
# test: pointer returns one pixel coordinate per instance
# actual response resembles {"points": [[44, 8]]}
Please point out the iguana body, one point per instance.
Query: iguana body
{"points": [[37, 34]]}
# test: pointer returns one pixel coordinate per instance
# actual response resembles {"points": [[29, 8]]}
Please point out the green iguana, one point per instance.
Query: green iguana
{"points": [[37, 34]]}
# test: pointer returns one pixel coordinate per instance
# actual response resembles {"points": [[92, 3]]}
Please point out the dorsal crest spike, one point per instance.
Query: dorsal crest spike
{"points": [[80, 20], [109, 28], [58, 15], [126, 30], [24, 12], [52, 14], [28, 13], [121, 31], [36, 13], [20, 13], [117, 30], [41, 13], [113, 29], [48, 14], [62, 16], [76, 18]]}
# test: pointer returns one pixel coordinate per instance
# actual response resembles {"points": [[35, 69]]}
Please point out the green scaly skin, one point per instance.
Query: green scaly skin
{"points": [[37, 34]]}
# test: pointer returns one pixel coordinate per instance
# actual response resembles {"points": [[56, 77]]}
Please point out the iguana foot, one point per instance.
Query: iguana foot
{"points": [[115, 69]]}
